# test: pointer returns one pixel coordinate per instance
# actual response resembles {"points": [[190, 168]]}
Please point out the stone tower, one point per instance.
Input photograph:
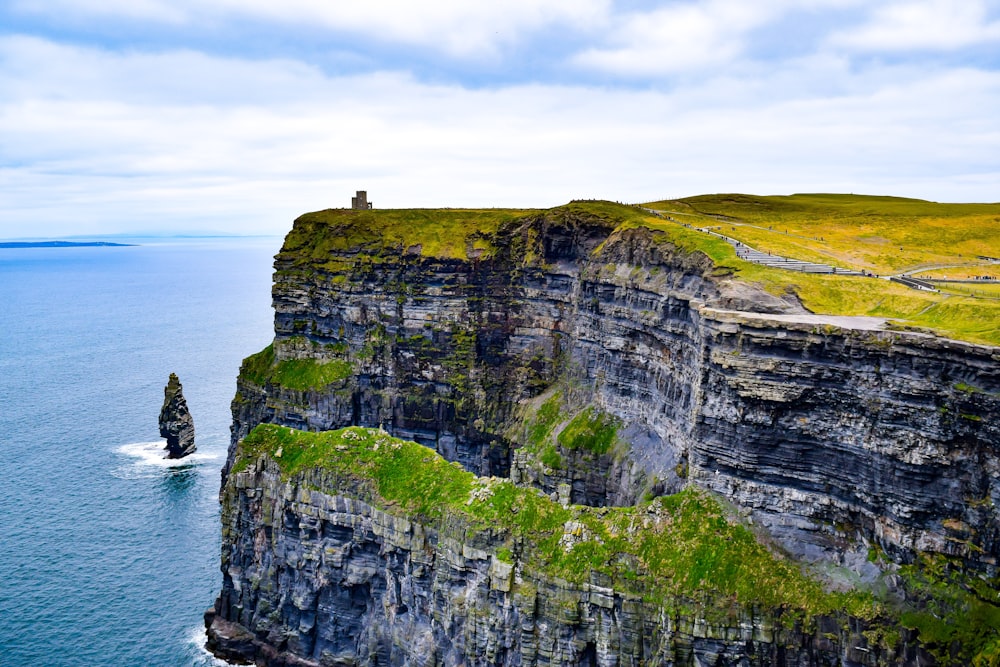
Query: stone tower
{"points": [[360, 202]]}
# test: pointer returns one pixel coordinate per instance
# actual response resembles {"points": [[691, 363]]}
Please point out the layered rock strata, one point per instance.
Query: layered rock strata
{"points": [[315, 575], [176, 424], [829, 432]]}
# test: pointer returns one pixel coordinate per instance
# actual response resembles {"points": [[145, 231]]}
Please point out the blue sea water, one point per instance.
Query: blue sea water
{"points": [[108, 554]]}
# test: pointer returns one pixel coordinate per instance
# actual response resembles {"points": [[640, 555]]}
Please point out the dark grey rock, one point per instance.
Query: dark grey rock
{"points": [[322, 579], [822, 429], [176, 424]]}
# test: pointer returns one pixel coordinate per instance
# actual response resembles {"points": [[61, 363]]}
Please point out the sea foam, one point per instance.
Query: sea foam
{"points": [[149, 457], [204, 657]]}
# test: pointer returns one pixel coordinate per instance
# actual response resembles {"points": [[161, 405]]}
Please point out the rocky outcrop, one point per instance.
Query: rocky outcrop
{"points": [[826, 433], [176, 424]]}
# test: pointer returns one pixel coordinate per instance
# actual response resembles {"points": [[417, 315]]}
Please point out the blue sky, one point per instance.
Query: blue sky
{"points": [[124, 116]]}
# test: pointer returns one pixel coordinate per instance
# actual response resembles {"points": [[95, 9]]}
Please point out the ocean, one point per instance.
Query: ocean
{"points": [[109, 554]]}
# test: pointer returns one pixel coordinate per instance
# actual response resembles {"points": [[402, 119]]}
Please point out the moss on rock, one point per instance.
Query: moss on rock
{"points": [[677, 547], [298, 374]]}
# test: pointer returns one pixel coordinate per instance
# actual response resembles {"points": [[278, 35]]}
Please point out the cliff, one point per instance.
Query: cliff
{"points": [[353, 547], [580, 352]]}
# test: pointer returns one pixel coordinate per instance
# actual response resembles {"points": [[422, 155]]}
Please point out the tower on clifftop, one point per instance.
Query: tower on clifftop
{"points": [[360, 202]]}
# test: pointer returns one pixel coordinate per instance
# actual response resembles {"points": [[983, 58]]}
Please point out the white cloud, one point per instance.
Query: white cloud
{"points": [[688, 37], [676, 38], [148, 10], [922, 24], [93, 141], [35, 67], [456, 27]]}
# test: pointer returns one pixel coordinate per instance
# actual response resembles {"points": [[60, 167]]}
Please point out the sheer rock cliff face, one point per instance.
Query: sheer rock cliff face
{"points": [[892, 439], [834, 438], [176, 424], [320, 579]]}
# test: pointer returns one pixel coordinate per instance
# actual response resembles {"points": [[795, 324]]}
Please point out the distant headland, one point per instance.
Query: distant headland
{"points": [[59, 244]]}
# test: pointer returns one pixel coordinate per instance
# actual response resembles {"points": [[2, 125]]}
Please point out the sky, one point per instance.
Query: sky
{"points": [[236, 116]]}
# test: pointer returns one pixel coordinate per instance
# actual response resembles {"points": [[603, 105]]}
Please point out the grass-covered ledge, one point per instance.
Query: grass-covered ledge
{"points": [[680, 547], [298, 374]]}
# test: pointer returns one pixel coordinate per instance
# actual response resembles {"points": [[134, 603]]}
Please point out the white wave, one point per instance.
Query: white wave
{"points": [[148, 457], [154, 454], [197, 638]]}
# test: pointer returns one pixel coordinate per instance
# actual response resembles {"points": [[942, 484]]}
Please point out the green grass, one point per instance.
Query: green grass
{"points": [[298, 374], [988, 290], [551, 457], [443, 233], [589, 429], [681, 547], [881, 234], [257, 368], [841, 221], [967, 388], [971, 271], [304, 374], [544, 420], [958, 619], [592, 430]]}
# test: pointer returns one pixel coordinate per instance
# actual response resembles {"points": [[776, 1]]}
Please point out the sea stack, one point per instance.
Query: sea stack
{"points": [[176, 424]]}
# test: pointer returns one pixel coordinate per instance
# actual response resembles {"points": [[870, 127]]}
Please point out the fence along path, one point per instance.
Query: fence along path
{"points": [[745, 252]]}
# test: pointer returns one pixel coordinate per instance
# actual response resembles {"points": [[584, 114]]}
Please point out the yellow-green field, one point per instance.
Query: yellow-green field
{"points": [[879, 234], [985, 290], [446, 233], [965, 272], [857, 232]]}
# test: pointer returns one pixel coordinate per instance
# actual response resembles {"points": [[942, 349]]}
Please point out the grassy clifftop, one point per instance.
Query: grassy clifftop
{"points": [[673, 551], [445, 233], [883, 235], [877, 234]]}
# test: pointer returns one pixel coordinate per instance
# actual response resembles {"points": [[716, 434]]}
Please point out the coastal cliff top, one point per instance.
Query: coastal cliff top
{"points": [[872, 235], [883, 235]]}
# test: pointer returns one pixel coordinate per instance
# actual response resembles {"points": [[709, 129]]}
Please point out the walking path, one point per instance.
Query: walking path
{"points": [[913, 283], [743, 251]]}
